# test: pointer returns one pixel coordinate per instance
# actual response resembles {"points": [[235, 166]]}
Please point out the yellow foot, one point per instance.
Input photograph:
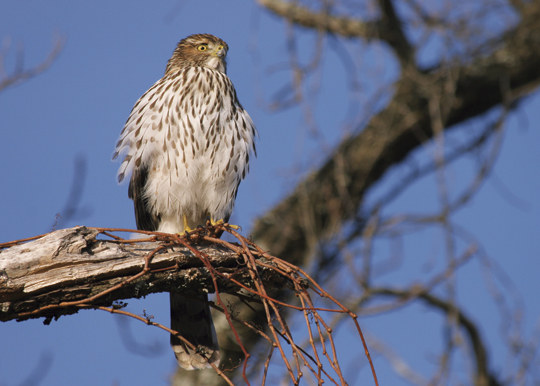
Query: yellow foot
{"points": [[186, 226], [218, 222]]}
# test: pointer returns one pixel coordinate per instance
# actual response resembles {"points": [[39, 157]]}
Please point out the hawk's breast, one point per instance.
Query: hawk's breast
{"points": [[195, 139]]}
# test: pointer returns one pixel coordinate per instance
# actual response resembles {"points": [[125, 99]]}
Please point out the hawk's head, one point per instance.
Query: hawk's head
{"points": [[201, 50]]}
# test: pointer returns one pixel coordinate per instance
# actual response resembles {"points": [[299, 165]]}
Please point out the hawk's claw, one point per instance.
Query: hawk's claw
{"points": [[221, 221]]}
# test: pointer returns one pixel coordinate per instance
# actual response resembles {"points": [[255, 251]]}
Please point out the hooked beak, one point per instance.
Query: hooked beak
{"points": [[220, 53]]}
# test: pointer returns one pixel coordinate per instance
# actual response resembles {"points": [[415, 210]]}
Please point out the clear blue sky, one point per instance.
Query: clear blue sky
{"points": [[114, 52]]}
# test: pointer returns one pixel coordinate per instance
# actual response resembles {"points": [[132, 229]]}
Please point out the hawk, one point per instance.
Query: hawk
{"points": [[187, 145]]}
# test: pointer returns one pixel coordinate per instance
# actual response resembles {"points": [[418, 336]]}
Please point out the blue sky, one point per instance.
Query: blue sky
{"points": [[114, 51]]}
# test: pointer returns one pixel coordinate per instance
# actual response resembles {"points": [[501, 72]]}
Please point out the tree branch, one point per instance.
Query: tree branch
{"points": [[388, 28], [317, 208], [70, 268], [304, 17], [391, 31]]}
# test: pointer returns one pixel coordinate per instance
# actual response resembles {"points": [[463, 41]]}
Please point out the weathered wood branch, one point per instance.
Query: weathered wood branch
{"points": [[72, 265]]}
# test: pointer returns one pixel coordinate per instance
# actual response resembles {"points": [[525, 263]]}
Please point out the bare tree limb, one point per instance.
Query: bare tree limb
{"points": [[71, 269], [71, 265], [304, 17], [394, 133], [388, 28], [391, 31]]}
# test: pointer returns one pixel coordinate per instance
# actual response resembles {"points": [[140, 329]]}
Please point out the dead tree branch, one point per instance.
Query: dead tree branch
{"points": [[70, 269], [53, 274]]}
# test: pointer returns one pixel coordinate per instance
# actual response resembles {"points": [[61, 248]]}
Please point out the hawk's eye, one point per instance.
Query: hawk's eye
{"points": [[220, 47], [202, 47]]}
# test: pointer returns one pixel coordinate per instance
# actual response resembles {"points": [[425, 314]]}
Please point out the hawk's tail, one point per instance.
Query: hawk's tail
{"points": [[191, 318]]}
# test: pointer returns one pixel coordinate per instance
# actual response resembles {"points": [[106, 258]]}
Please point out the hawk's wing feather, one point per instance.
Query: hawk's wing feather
{"points": [[134, 139], [146, 220]]}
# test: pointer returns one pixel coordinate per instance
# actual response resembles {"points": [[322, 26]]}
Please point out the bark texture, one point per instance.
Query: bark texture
{"points": [[71, 265]]}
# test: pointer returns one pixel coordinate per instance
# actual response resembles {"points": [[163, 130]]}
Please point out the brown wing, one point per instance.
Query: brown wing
{"points": [[146, 220]]}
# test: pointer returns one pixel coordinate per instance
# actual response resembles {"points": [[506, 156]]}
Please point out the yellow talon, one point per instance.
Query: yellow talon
{"points": [[221, 221], [186, 226], [216, 222]]}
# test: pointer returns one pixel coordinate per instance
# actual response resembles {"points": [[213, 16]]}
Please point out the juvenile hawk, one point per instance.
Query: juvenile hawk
{"points": [[187, 144]]}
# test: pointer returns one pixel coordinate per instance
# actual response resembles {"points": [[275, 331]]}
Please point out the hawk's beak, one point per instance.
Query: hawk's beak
{"points": [[221, 53]]}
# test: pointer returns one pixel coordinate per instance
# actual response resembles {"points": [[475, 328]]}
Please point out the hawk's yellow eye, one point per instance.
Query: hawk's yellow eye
{"points": [[220, 47], [202, 47]]}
